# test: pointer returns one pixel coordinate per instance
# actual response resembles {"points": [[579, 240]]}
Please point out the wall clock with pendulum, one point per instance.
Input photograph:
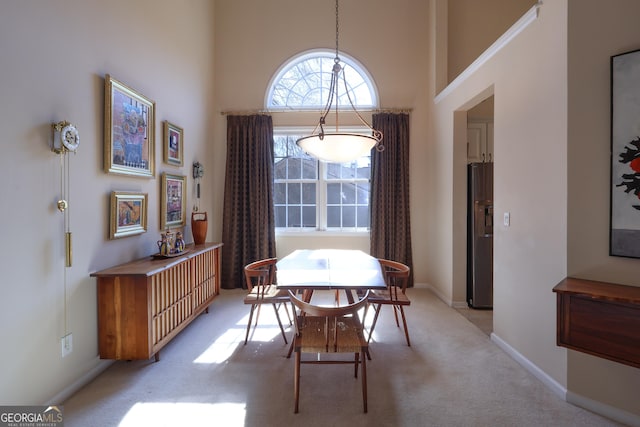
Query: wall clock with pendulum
{"points": [[66, 139]]}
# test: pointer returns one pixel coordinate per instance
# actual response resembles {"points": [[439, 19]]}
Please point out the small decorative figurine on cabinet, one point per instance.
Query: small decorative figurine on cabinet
{"points": [[179, 242], [170, 241], [163, 245]]}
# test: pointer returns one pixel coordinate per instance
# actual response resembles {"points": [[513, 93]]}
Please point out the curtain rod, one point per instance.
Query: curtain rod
{"points": [[370, 110]]}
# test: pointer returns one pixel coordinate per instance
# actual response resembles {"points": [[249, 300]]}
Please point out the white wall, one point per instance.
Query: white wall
{"points": [[595, 34], [55, 55], [551, 133]]}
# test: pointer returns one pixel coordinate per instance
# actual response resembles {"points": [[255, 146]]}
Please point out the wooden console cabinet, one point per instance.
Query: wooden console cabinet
{"points": [[599, 318], [143, 304]]}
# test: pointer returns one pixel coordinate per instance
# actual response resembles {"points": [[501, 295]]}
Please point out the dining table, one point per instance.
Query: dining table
{"points": [[310, 270]]}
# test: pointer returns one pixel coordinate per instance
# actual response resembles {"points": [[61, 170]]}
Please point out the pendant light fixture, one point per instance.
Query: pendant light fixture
{"points": [[339, 147]]}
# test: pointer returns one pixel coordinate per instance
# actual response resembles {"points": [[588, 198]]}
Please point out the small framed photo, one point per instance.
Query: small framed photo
{"points": [[128, 214], [173, 201], [129, 123], [173, 145]]}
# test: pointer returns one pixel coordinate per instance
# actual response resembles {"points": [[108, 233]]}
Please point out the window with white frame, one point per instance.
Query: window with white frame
{"points": [[313, 195], [309, 194]]}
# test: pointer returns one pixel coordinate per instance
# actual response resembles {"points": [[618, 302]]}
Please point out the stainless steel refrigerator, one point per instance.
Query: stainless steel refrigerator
{"points": [[480, 235]]}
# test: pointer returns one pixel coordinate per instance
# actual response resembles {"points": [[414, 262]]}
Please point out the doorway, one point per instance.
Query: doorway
{"points": [[480, 217]]}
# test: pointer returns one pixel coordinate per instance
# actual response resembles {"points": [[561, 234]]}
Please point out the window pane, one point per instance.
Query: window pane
{"points": [[293, 193], [333, 170], [309, 216], [364, 167], [309, 194], [280, 169], [279, 146], [349, 216], [294, 219], [334, 194], [294, 170], [362, 193], [333, 216], [363, 216], [281, 216], [348, 193], [279, 193], [309, 169]]}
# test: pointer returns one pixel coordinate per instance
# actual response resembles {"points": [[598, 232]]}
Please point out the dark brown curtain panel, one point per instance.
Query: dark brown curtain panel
{"points": [[248, 225], [390, 218]]}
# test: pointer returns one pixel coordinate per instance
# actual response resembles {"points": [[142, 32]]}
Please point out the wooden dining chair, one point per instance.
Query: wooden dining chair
{"points": [[260, 279], [322, 329], [396, 276]]}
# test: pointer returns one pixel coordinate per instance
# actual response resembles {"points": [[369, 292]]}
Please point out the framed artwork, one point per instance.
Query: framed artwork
{"points": [[128, 214], [624, 237], [173, 144], [129, 126], [173, 201]]}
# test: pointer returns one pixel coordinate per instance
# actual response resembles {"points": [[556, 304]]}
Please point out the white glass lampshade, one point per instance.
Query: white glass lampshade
{"points": [[337, 147]]}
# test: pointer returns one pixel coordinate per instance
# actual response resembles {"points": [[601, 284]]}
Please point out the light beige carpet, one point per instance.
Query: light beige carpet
{"points": [[452, 375]]}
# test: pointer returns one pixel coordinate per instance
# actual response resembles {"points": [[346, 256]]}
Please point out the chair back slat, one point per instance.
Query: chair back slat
{"points": [[260, 275], [329, 318], [396, 276]]}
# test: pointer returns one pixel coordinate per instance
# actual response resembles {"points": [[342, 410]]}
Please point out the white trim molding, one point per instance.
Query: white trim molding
{"points": [[610, 412], [522, 23], [547, 380]]}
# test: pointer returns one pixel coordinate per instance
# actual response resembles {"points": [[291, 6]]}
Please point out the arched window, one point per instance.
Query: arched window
{"points": [[310, 195], [302, 83]]}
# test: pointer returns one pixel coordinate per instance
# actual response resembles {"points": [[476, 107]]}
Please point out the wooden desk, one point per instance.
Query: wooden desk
{"points": [[329, 269]]}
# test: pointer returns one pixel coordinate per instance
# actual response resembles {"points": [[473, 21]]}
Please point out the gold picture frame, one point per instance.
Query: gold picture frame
{"points": [[173, 203], [173, 144], [128, 214], [129, 131]]}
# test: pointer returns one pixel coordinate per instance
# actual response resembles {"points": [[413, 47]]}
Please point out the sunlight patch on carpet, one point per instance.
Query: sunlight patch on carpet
{"points": [[223, 347], [159, 414]]}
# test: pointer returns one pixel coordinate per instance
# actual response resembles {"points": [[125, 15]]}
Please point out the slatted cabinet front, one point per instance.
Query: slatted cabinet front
{"points": [[171, 302]]}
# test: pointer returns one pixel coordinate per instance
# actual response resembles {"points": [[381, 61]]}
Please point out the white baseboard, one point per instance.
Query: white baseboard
{"points": [[594, 406], [552, 384], [459, 304], [610, 412], [68, 391], [442, 297]]}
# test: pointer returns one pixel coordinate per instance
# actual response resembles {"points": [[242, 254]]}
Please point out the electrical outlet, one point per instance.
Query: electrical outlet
{"points": [[67, 345]]}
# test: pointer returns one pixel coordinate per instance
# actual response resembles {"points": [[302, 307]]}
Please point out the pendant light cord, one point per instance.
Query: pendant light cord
{"points": [[337, 32]]}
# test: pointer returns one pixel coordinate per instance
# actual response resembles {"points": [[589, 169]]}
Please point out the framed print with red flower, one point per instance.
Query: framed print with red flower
{"points": [[624, 229]]}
